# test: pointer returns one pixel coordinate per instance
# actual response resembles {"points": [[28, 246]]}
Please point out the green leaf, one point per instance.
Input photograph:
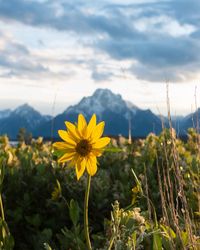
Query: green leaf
{"points": [[113, 150], [58, 153], [185, 238], [6, 239], [74, 212], [139, 186], [169, 233], [34, 220], [157, 241]]}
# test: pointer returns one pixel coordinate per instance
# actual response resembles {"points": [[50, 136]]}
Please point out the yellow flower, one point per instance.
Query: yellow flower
{"points": [[82, 144]]}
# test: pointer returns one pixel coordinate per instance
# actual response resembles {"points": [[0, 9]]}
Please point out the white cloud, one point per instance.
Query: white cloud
{"points": [[163, 25]]}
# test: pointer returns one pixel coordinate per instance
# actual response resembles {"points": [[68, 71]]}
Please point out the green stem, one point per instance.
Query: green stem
{"points": [[86, 226], [111, 243], [2, 210]]}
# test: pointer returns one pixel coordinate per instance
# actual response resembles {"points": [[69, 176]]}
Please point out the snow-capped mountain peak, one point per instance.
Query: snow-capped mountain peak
{"points": [[102, 100], [23, 116], [23, 110], [105, 93], [32, 116]]}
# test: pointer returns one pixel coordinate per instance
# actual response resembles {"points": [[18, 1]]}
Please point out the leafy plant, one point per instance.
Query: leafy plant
{"points": [[43, 202]]}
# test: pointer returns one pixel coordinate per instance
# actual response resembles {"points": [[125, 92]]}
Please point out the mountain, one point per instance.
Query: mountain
{"points": [[22, 117], [102, 100], [189, 121], [4, 113], [109, 107], [117, 113]]}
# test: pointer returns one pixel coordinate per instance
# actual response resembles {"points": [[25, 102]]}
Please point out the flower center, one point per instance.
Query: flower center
{"points": [[83, 148]]}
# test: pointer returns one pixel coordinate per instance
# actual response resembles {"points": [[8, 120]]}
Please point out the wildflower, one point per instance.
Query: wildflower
{"points": [[82, 144]]}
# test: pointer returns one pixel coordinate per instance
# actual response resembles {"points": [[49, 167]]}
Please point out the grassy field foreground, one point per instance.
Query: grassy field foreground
{"points": [[145, 195]]}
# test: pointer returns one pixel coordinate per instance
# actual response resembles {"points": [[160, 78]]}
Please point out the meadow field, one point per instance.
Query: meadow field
{"points": [[145, 195], [100, 125]]}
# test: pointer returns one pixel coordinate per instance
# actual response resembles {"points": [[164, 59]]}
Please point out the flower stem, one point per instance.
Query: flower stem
{"points": [[4, 229], [111, 243], [1, 208], [86, 226]]}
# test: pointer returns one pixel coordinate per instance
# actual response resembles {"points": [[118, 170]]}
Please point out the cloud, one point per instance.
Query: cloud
{"points": [[153, 74], [168, 48], [160, 37], [160, 51], [16, 60], [185, 11], [100, 76]]}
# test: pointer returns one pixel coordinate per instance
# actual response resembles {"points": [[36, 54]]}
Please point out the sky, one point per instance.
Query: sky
{"points": [[52, 53]]}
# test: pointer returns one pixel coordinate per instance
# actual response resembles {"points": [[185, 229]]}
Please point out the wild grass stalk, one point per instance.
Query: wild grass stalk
{"points": [[197, 141], [147, 193], [180, 192]]}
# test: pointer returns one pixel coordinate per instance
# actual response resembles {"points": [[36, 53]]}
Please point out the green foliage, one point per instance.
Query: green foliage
{"points": [[6, 239], [24, 136], [128, 228], [74, 212], [44, 202]]}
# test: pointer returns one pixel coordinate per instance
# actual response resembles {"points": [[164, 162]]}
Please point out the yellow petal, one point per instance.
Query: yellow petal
{"points": [[65, 136], [74, 161], [63, 146], [82, 124], [91, 125], [80, 168], [59, 145], [97, 132], [66, 157], [91, 165], [72, 130], [97, 152], [101, 143]]}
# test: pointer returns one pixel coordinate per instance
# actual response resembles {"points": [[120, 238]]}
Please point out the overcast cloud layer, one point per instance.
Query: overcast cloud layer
{"points": [[103, 41], [160, 38]]}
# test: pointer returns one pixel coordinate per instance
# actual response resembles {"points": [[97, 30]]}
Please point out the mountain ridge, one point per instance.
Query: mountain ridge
{"points": [[23, 116], [112, 108]]}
